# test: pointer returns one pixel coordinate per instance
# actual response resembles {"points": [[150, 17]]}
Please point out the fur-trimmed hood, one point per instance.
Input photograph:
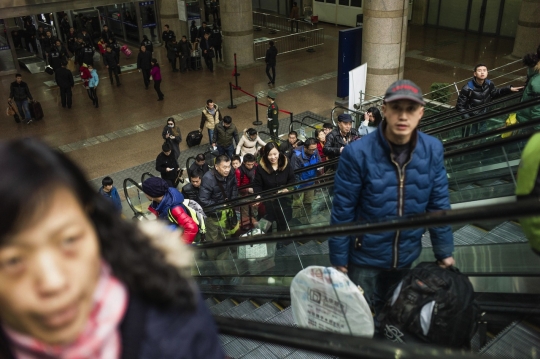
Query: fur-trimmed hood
{"points": [[168, 242]]}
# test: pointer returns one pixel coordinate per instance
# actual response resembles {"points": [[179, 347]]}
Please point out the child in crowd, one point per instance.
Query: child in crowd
{"points": [[236, 161], [108, 190]]}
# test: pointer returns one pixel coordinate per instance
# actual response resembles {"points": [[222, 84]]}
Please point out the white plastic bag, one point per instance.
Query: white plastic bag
{"points": [[326, 299]]}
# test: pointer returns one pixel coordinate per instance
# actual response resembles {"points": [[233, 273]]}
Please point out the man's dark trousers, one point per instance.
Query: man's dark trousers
{"points": [[114, 70], [66, 96], [273, 77]]}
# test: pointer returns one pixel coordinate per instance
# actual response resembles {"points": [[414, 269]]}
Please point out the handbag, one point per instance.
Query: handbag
{"points": [[12, 111], [210, 53], [231, 221]]}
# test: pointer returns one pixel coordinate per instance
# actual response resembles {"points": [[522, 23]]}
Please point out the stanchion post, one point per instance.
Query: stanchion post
{"points": [[232, 105], [257, 122], [236, 74]]}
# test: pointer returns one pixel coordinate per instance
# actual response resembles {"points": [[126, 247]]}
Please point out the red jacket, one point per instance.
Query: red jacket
{"points": [[102, 47], [183, 220], [85, 75], [320, 147], [243, 180]]}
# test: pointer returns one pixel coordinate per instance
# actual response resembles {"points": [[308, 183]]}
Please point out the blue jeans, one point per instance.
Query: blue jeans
{"points": [[210, 136], [229, 151], [23, 105], [376, 283]]}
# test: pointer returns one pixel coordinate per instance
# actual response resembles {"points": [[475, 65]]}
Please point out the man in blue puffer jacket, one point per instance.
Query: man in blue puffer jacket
{"points": [[304, 156], [393, 171]]}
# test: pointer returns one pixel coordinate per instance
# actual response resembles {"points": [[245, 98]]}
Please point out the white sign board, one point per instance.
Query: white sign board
{"points": [[357, 84], [182, 10]]}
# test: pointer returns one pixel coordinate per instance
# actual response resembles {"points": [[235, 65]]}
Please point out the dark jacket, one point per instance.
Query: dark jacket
{"points": [[87, 39], [204, 168], [217, 39], [300, 159], [48, 43], [172, 50], [206, 45], [287, 149], [267, 178], [202, 31], [88, 54], [109, 59], [149, 332], [184, 48], [334, 142], [191, 192], [106, 35], [271, 54], [163, 162], [167, 36], [224, 136], [64, 77], [210, 192], [112, 196], [148, 44], [473, 94], [57, 56], [368, 189], [19, 91], [193, 33], [144, 60]]}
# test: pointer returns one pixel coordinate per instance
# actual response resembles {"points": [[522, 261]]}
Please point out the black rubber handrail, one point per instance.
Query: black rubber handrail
{"points": [[272, 136], [447, 155], [339, 345], [303, 124], [146, 174], [128, 199], [313, 118], [441, 116], [485, 116], [524, 208]]}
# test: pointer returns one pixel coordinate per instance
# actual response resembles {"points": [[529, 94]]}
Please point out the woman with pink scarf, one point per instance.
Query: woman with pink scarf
{"points": [[77, 281]]}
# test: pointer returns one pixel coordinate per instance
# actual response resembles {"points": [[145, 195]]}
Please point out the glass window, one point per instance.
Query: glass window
{"points": [[357, 3], [330, 1], [344, 2]]}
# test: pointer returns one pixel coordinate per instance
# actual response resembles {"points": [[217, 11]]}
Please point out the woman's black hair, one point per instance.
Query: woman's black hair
{"points": [[266, 150], [251, 131], [154, 61], [317, 133], [236, 158], [31, 172], [376, 115], [170, 119]]}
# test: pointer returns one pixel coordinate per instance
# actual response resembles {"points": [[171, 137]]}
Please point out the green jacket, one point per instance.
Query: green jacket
{"points": [[531, 91], [272, 114], [528, 183], [224, 136]]}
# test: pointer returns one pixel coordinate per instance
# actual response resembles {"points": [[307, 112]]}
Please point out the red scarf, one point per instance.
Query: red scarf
{"points": [[100, 338]]}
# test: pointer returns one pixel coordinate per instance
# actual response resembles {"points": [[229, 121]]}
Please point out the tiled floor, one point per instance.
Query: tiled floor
{"points": [[125, 132]]}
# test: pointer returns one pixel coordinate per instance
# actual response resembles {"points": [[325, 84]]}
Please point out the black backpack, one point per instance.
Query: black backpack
{"points": [[432, 305]]}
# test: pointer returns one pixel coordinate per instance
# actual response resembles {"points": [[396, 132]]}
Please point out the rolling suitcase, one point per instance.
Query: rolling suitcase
{"points": [[196, 63], [35, 110], [49, 70], [194, 138]]}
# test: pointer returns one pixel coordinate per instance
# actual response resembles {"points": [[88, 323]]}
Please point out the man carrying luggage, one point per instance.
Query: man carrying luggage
{"points": [[391, 172], [20, 93], [64, 80]]}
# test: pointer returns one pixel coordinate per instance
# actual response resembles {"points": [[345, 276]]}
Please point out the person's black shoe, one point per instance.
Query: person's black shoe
{"points": [[273, 83], [160, 99], [269, 82]]}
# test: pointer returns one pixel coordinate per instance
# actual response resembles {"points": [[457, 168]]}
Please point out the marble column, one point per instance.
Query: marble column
{"points": [[383, 44], [237, 30], [528, 28], [168, 11]]}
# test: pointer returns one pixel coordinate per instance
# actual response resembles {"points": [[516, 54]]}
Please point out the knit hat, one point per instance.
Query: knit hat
{"points": [[155, 187]]}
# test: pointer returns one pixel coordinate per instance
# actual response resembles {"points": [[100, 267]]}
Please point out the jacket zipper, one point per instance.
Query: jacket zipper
{"points": [[401, 204]]}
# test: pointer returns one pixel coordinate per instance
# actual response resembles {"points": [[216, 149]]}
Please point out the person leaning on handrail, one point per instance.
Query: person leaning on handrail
{"points": [[78, 281]]}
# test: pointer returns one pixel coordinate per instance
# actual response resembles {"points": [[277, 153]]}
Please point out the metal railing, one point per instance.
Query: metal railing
{"points": [[278, 23], [291, 43]]}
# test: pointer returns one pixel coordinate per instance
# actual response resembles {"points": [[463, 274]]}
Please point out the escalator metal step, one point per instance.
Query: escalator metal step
{"points": [[301, 354], [279, 350], [222, 307], [308, 248], [324, 247], [225, 339], [261, 352], [468, 235], [519, 340], [285, 317], [426, 240], [240, 310], [507, 232], [263, 313], [210, 302], [240, 347]]}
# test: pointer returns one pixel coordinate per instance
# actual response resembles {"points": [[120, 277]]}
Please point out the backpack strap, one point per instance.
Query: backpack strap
{"points": [[225, 198]]}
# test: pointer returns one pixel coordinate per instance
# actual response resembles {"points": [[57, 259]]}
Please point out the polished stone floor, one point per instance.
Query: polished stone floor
{"points": [[125, 131]]}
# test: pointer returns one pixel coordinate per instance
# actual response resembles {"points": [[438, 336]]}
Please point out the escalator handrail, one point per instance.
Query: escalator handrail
{"points": [[303, 124], [193, 158], [272, 137], [271, 194], [504, 211], [343, 108], [334, 344], [484, 116], [146, 174], [494, 132], [447, 155], [128, 199], [429, 120], [313, 118]]}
